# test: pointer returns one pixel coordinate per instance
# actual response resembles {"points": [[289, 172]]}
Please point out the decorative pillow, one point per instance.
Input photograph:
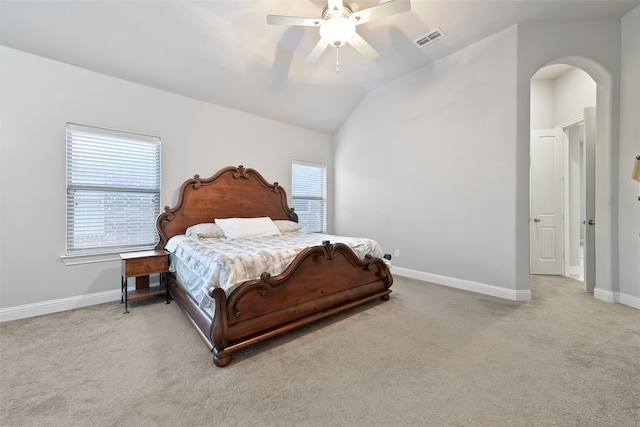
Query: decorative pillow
{"points": [[286, 226], [206, 230], [246, 228]]}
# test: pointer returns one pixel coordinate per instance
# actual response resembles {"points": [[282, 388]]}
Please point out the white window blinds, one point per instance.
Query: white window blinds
{"points": [[113, 190], [309, 189]]}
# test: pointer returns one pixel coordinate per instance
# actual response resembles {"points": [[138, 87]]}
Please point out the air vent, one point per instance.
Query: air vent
{"points": [[428, 38]]}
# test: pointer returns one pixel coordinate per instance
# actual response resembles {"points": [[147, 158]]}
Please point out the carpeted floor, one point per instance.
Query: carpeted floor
{"points": [[431, 356]]}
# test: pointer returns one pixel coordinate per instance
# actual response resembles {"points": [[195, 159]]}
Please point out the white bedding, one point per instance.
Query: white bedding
{"points": [[201, 264]]}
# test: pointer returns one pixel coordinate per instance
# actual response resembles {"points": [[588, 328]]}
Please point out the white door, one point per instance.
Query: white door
{"points": [[547, 202], [590, 198]]}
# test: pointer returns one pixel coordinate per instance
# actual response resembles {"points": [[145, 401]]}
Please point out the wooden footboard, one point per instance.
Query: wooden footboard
{"points": [[321, 281]]}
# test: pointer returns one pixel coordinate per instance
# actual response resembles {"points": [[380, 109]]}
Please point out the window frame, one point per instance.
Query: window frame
{"points": [[117, 193]]}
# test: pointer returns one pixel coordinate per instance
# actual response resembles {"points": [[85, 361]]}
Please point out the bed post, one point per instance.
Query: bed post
{"points": [[219, 328]]}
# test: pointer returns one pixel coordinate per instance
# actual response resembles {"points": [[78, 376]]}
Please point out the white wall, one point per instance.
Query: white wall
{"points": [[542, 112], [598, 53], [556, 101], [434, 164], [573, 91], [39, 96], [426, 165], [431, 164], [629, 207]]}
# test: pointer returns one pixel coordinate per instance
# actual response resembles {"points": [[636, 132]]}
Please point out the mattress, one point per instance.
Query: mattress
{"points": [[204, 263]]}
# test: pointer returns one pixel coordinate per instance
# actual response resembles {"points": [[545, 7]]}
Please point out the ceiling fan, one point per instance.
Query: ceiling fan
{"points": [[338, 25]]}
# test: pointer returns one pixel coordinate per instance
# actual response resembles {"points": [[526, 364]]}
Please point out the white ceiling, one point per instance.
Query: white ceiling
{"points": [[224, 52]]}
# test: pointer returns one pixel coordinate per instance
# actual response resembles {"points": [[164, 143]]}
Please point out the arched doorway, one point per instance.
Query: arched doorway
{"points": [[562, 173], [604, 153]]}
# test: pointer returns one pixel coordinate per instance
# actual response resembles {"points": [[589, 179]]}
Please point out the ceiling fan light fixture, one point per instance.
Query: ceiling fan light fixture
{"points": [[338, 25], [337, 31]]}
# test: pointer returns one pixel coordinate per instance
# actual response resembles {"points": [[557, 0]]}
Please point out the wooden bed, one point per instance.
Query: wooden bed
{"points": [[320, 281]]}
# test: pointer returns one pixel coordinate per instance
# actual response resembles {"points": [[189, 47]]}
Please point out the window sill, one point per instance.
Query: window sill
{"points": [[81, 259]]}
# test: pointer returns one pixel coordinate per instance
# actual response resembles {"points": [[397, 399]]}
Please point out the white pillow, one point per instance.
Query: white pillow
{"points": [[286, 226], [246, 228], [206, 230]]}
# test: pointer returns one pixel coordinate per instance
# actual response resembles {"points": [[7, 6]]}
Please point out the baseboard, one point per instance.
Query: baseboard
{"points": [[630, 300], [467, 285], [575, 270], [63, 304], [603, 295], [617, 297]]}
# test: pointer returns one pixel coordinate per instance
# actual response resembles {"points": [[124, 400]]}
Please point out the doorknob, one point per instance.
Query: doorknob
{"points": [[536, 220], [591, 222]]}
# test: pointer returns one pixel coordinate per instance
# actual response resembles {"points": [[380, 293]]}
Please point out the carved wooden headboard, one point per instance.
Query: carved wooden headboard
{"points": [[233, 192]]}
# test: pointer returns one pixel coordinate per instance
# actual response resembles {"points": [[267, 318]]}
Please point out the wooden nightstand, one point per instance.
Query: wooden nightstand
{"points": [[140, 265]]}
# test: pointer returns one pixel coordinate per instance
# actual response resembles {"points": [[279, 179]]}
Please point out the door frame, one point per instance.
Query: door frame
{"points": [[576, 121]]}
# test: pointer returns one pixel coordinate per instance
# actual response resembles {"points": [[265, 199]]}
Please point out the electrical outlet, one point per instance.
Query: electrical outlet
{"points": [[397, 253]]}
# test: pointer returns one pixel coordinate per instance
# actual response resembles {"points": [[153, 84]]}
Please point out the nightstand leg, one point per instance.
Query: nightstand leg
{"points": [[126, 299], [165, 282]]}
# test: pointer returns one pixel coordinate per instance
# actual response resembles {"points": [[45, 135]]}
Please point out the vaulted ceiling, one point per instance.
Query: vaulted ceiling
{"points": [[224, 52]]}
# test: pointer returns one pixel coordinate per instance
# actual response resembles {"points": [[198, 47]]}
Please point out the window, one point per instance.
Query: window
{"points": [[309, 191], [113, 190]]}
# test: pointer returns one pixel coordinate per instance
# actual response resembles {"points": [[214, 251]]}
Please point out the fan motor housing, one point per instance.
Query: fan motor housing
{"points": [[346, 11]]}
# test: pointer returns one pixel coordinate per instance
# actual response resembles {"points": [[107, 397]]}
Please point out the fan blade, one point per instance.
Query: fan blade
{"points": [[293, 20], [317, 51], [363, 47], [380, 11]]}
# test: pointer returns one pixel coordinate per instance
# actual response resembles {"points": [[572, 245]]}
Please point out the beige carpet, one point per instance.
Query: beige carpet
{"points": [[431, 356]]}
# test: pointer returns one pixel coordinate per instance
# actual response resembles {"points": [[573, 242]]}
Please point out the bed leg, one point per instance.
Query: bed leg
{"points": [[220, 360]]}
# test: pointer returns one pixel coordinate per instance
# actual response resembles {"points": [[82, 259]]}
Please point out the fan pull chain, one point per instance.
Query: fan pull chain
{"points": [[337, 60]]}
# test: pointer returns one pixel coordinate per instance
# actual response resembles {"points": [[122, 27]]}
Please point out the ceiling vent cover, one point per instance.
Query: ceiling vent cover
{"points": [[430, 37]]}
